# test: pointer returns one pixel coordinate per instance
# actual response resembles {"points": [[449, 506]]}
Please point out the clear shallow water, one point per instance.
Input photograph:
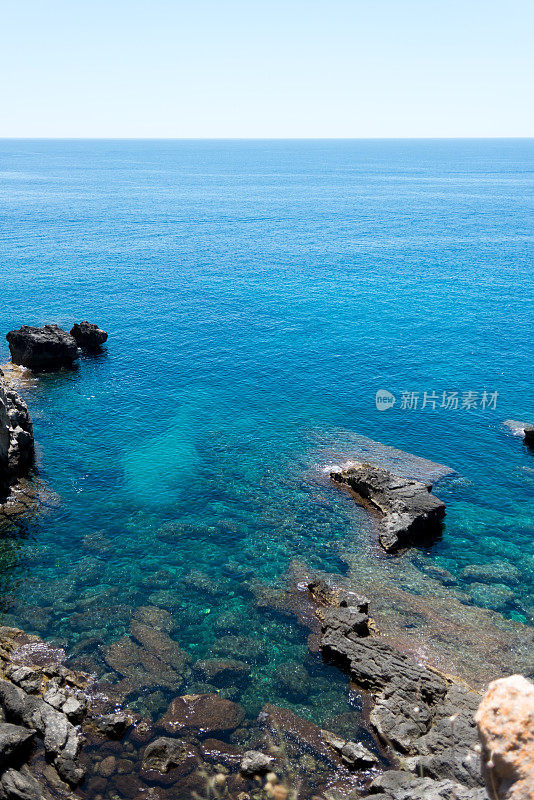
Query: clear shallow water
{"points": [[257, 295]]}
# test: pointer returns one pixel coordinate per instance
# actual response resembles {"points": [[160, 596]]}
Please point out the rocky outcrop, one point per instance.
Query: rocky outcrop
{"points": [[41, 701], [409, 511], [505, 722], [424, 717], [41, 349], [16, 438], [88, 335]]}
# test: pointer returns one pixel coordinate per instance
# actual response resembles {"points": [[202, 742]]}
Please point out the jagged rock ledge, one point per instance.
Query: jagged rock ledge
{"points": [[428, 719], [409, 509]]}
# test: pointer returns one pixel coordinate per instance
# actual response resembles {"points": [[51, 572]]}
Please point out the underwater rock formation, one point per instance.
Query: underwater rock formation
{"points": [[88, 335], [505, 722], [409, 510], [16, 438], [46, 348]]}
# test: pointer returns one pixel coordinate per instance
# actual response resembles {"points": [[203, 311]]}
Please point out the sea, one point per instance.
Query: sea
{"points": [[275, 309]]}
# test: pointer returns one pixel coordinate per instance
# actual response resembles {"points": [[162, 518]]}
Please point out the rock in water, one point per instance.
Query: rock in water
{"points": [[88, 335], [409, 510], [46, 348], [528, 436], [16, 438], [505, 720]]}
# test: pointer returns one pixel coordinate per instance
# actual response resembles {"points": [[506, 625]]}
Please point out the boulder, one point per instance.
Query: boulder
{"points": [[410, 512], [46, 348], [165, 754], [13, 738], [88, 335], [505, 720], [202, 713]]}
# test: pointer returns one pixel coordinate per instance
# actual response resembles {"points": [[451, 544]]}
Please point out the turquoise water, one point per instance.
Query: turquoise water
{"points": [[257, 295]]}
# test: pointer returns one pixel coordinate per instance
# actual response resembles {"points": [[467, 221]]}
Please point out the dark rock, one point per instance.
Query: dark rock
{"points": [[88, 335], [254, 762], [409, 510], [165, 754], [17, 453], [528, 436], [346, 619], [292, 680], [202, 713], [222, 671], [13, 739], [46, 348]]}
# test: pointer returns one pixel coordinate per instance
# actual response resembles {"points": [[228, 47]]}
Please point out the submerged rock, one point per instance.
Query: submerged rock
{"points": [[505, 722], [292, 680], [165, 754], [46, 348], [88, 335], [203, 713], [409, 510]]}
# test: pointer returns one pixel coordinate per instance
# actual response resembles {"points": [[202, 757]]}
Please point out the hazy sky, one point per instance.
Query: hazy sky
{"points": [[264, 68]]}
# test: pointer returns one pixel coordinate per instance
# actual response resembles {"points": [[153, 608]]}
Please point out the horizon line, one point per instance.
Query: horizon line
{"points": [[262, 138]]}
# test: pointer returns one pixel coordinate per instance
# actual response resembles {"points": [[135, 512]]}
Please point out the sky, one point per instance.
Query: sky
{"points": [[266, 68]]}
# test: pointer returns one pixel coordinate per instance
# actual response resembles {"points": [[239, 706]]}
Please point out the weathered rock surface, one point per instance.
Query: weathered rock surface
{"points": [[46, 348], [16, 438], [409, 510], [88, 335], [505, 722], [203, 713], [426, 718], [397, 785]]}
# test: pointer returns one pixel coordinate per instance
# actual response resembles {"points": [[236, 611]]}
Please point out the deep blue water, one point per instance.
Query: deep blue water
{"points": [[257, 294]]}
